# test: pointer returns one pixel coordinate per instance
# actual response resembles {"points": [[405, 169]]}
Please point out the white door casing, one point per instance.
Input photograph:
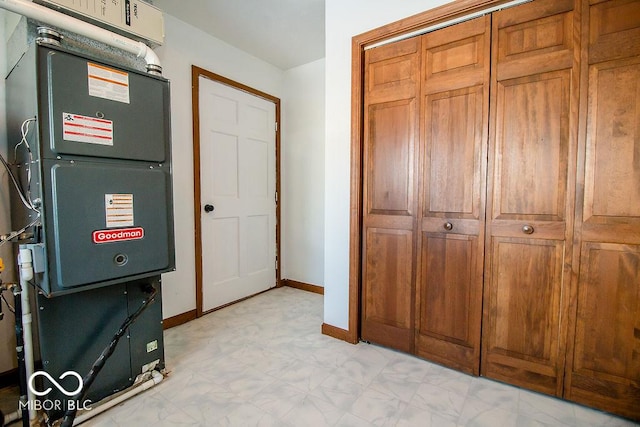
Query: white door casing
{"points": [[238, 179]]}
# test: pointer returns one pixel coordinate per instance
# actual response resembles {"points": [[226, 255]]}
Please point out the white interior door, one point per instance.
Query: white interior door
{"points": [[237, 181]]}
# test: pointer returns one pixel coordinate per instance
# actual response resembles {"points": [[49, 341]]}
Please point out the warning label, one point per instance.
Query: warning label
{"points": [[108, 83], [119, 210], [87, 129]]}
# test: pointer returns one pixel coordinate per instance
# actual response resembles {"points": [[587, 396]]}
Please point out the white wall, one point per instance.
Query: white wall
{"points": [[185, 46], [343, 20], [302, 174]]}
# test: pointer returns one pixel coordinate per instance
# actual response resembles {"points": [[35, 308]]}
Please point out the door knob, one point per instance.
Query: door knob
{"points": [[208, 208], [448, 226], [527, 229]]}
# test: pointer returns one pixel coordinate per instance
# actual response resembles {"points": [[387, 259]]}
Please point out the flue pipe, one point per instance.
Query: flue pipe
{"points": [[57, 19]]}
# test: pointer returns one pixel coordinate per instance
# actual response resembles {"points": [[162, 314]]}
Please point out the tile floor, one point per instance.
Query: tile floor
{"points": [[264, 362]]}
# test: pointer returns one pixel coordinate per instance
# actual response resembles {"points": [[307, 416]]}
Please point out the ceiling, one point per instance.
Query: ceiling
{"points": [[284, 33]]}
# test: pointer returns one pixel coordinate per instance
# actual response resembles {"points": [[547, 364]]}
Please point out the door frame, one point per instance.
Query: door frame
{"points": [[196, 73], [447, 12]]}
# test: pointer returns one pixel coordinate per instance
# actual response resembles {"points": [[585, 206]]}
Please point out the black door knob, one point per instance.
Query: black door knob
{"points": [[208, 208]]}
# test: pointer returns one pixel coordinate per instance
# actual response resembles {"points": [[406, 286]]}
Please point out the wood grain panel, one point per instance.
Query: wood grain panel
{"points": [[391, 72], [540, 39], [613, 143], [608, 321], [532, 143], [526, 272], [462, 54], [387, 288], [606, 359], [455, 126], [455, 57], [390, 156], [524, 316], [542, 35], [449, 329], [445, 311], [618, 398], [613, 30]]}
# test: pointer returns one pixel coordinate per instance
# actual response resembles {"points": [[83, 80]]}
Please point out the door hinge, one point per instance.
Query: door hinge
{"points": [[276, 197], [276, 263], [276, 126]]}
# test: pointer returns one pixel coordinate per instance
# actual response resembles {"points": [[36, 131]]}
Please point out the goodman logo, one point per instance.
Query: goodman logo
{"points": [[119, 235]]}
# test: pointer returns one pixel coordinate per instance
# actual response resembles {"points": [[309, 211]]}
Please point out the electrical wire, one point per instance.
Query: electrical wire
{"points": [[25, 198], [24, 131], [11, 308], [13, 234]]}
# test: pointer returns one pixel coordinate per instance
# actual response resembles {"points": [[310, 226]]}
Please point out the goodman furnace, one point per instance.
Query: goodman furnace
{"points": [[90, 146], [98, 167]]}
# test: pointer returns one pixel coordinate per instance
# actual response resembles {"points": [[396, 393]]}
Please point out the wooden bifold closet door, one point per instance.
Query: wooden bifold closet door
{"points": [[534, 104], [426, 109], [501, 198], [454, 118], [603, 363], [390, 193]]}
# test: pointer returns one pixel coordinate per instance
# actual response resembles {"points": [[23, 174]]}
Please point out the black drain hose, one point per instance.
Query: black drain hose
{"points": [[70, 414]]}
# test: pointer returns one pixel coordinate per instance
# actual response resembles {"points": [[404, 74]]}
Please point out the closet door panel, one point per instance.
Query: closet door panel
{"points": [[608, 311], [613, 30], [390, 194], [606, 360], [522, 334], [612, 192], [532, 136], [455, 95], [390, 155], [387, 288], [530, 44], [456, 57], [448, 333], [603, 362], [454, 123], [530, 194]]}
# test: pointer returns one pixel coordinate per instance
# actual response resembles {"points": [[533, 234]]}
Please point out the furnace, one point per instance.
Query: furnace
{"points": [[90, 148]]}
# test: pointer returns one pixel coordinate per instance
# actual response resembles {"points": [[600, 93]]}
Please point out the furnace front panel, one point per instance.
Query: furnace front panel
{"points": [[106, 221], [100, 169]]}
